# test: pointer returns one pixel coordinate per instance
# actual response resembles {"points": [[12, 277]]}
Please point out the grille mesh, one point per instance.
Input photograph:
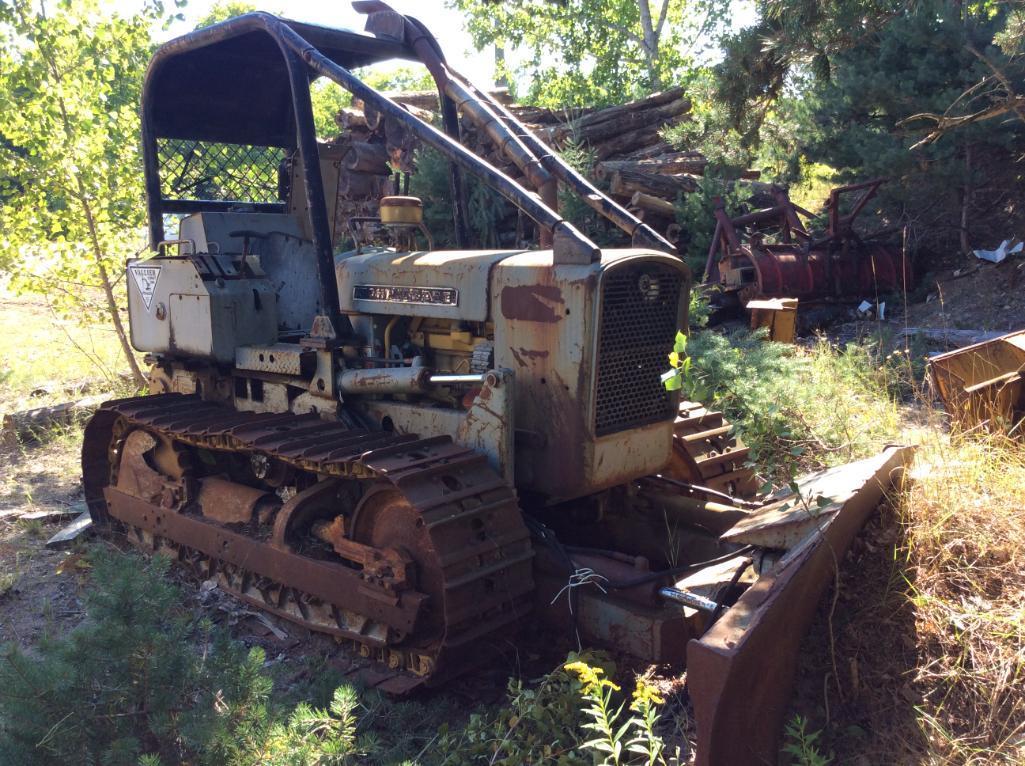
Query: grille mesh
{"points": [[213, 171], [640, 308]]}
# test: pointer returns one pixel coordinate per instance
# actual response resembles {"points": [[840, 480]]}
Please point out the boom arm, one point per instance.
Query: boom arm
{"points": [[537, 162]]}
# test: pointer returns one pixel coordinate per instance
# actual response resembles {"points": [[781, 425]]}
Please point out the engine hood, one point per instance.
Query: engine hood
{"points": [[450, 284]]}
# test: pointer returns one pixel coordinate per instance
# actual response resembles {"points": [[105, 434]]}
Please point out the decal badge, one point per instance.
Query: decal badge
{"points": [[146, 280], [434, 296]]}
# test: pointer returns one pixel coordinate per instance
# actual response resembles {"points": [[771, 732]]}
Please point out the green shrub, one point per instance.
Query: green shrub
{"points": [[485, 208], [574, 716], [143, 681], [540, 723], [140, 676], [316, 736], [795, 407], [802, 745], [619, 736], [695, 212]]}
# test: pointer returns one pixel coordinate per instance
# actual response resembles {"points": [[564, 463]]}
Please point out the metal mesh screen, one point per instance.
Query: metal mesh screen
{"points": [[205, 170], [640, 308]]}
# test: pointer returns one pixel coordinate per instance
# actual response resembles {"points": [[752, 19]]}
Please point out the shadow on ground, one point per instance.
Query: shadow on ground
{"points": [[855, 676]]}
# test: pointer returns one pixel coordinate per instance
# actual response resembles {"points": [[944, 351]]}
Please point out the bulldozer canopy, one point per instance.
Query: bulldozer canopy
{"points": [[229, 82]]}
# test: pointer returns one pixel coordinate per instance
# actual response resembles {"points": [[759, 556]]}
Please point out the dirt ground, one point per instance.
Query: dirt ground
{"points": [[37, 594], [977, 295], [857, 657]]}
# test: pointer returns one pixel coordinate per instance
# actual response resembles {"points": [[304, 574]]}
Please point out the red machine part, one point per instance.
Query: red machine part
{"points": [[838, 265], [786, 271]]}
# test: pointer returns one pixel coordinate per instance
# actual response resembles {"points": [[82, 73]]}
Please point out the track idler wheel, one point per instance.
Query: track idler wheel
{"points": [[386, 521]]}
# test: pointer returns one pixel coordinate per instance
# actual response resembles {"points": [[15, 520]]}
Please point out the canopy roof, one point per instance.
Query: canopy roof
{"points": [[229, 82]]}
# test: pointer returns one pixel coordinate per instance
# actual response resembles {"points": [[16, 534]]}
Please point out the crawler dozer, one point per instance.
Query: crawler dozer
{"points": [[420, 452]]}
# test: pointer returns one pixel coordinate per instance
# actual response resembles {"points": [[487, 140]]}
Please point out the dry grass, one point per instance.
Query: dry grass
{"points": [[45, 359], [964, 517], [921, 659]]}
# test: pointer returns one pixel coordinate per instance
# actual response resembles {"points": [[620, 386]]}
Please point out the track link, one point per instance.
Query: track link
{"points": [[470, 514], [705, 452]]}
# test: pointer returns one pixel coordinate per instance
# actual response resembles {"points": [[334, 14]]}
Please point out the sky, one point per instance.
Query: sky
{"points": [[446, 24]]}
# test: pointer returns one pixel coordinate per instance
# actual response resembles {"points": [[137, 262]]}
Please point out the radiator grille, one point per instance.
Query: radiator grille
{"points": [[640, 310]]}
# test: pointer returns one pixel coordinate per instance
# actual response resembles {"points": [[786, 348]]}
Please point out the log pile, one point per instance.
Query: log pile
{"points": [[630, 159], [360, 162]]}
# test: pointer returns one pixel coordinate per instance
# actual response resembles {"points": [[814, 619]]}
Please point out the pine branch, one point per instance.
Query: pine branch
{"points": [[944, 123]]}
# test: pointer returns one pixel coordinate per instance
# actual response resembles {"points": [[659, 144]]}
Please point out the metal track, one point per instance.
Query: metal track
{"points": [[470, 514], [706, 453]]}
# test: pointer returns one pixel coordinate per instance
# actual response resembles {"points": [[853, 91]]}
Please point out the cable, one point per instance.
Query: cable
{"points": [[736, 502], [548, 537], [579, 578]]}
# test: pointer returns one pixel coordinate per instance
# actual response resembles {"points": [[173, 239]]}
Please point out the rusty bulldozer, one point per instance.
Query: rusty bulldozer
{"points": [[414, 451]]}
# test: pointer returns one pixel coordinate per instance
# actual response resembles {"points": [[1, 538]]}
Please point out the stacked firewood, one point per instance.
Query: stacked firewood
{"points": [[629, 158], [363, 157]]}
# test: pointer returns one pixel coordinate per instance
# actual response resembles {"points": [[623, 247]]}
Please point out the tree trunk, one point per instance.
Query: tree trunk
{"points": [[653, 204], [650, 33], [966, 198], [108, 289], [101, 270], [624, 142], [108, 293], [503, 75], [652, 111], [627, 182], [664, 164]]}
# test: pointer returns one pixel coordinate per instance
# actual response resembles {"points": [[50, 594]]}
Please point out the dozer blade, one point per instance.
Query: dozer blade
{"points": [[741, 672]]}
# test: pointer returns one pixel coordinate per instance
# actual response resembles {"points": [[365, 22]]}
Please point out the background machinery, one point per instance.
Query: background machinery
{"points": [[774, 253], [410, 449]]}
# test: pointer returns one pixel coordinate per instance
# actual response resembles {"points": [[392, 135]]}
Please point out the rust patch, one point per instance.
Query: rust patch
{"points": [[533, 303], [525, 355], [230, 503], [531, 354]]}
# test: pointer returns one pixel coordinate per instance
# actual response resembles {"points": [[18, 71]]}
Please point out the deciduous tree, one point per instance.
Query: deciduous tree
{"points": [[72, 195], [586, 52]]}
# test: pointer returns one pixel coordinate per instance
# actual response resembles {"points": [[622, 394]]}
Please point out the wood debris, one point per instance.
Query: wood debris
{"points": [[624, 143]]}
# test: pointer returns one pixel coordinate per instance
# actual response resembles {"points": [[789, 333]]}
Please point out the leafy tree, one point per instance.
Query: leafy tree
{"points": [[792, 35], [70, 169], [222, 11], [997, 93], [796, 34], [586, 52]]}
